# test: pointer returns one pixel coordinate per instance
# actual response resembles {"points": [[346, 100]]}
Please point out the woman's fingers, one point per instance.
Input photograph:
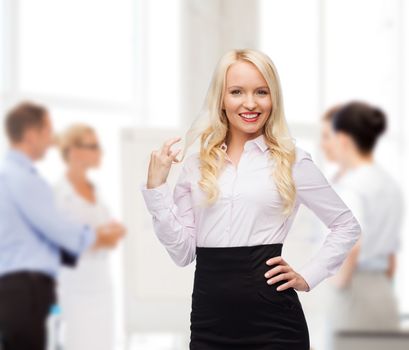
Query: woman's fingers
{"points": [[286, 273], [154, 153], [276, 270], [173, 156], [289, 284], [282, 276], [282, 272], [168, 144], [276, 260], [161, 162], [298, 283]]}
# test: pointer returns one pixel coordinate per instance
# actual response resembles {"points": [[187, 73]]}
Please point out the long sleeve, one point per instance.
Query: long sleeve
{"points": [[35, 201], [173, 218], [354, 202], [314, 191]]}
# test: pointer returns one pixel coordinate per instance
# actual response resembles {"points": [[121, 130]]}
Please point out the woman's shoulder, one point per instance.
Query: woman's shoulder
{"points": [[305, 171]]}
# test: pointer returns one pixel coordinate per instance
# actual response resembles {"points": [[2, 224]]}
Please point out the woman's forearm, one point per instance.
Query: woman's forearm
{"points": [[390, 272], [345, 273]]}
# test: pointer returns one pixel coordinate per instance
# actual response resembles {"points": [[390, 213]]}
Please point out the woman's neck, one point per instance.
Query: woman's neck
{"points": [[235, 145], [356, 160], [236, 141], [77, 175]]}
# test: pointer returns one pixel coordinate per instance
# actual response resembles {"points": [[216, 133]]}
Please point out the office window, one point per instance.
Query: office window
{"points": [[289, 35], [362, 57], [76, 49], [161, 96], [2, 71], [117, 54], [2, 29]]}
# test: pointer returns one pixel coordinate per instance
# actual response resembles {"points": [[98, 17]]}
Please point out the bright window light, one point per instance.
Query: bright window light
{"points": [[1, 49], [361, 58], [76, 49], [289, 35], [162, 63]]}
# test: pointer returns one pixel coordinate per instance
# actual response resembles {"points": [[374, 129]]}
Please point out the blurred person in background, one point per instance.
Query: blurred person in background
{"points": [[33, 232], [327, 141], [363, 287], [233, 206], [86, 293]]}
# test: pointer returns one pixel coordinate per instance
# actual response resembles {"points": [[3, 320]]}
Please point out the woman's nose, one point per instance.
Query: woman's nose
{"points": [[250, 103]]}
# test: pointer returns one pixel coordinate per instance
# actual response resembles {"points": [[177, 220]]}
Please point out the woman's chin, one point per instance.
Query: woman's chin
{"points": [[252, 129]]}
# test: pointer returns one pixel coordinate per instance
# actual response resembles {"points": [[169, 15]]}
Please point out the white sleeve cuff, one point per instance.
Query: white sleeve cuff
{"points": [[312, 274], [158, 198]]}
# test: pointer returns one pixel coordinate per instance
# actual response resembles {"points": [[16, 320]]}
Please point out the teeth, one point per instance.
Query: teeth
{"points": [[249, 116]]}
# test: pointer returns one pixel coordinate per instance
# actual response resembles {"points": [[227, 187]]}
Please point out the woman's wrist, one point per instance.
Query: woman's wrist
{"points": [[153, 184]]}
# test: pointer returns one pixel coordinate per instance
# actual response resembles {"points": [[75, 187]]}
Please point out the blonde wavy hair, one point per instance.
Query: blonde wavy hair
{"points": [[212, 127], [71, 137]]}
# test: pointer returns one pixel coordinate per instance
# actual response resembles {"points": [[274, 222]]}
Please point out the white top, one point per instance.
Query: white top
{"points": [[93, 271], [249, 210], [376, 201]]}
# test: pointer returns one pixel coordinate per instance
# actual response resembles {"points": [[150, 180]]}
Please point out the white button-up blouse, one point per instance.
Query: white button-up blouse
{"points": [[248, 211], [380, 220]]}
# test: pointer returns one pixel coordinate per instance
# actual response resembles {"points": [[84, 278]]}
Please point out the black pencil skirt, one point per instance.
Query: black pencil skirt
{"points": [[233, 307]]}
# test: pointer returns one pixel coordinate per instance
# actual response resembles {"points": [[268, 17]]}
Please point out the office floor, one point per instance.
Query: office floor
{"points": [[159, 341], [174, 341]]}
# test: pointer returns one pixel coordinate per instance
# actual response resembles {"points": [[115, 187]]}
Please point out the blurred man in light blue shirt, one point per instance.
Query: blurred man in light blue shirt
{"points": [[33, 233]]}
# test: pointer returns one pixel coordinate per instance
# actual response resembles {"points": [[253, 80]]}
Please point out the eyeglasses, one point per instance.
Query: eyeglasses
{"points": [[90, 146]]}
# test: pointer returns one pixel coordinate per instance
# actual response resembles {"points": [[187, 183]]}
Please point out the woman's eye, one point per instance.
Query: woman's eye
{"points": [[235, 92], [262, 92]]}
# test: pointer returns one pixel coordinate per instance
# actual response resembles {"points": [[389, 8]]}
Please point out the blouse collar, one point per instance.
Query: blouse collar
{"points": [[259, 142]]}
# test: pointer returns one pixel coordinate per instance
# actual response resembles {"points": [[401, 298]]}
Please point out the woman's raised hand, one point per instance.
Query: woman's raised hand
{"points": [[161, 162]]}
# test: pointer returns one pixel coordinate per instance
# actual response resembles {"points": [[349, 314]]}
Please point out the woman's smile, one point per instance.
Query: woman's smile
{"points": [[250, 117]]}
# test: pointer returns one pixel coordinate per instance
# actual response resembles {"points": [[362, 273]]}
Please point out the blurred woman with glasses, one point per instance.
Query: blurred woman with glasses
{"points": [[86, 292]]}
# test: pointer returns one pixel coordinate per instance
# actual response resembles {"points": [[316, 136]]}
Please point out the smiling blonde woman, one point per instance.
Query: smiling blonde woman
{"points": [[233, 206]]}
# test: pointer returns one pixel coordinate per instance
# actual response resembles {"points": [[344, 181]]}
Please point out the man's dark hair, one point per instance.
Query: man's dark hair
{"points": [[24, 116]]}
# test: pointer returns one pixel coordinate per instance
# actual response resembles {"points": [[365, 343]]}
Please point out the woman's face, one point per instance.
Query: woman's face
{"points": [[247, 100], [87, 153], [328, 141], [345, 147]]}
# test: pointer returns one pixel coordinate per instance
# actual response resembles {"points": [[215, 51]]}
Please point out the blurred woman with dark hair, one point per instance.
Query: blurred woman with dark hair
{"points": [[363, 286]]}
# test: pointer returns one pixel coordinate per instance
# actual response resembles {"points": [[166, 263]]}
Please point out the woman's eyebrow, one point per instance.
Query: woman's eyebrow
{"points": [[240, 87]]}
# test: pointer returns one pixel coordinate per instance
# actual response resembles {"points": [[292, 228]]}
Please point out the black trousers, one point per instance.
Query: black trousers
{"points": [[25, 300], [234, 308]]}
